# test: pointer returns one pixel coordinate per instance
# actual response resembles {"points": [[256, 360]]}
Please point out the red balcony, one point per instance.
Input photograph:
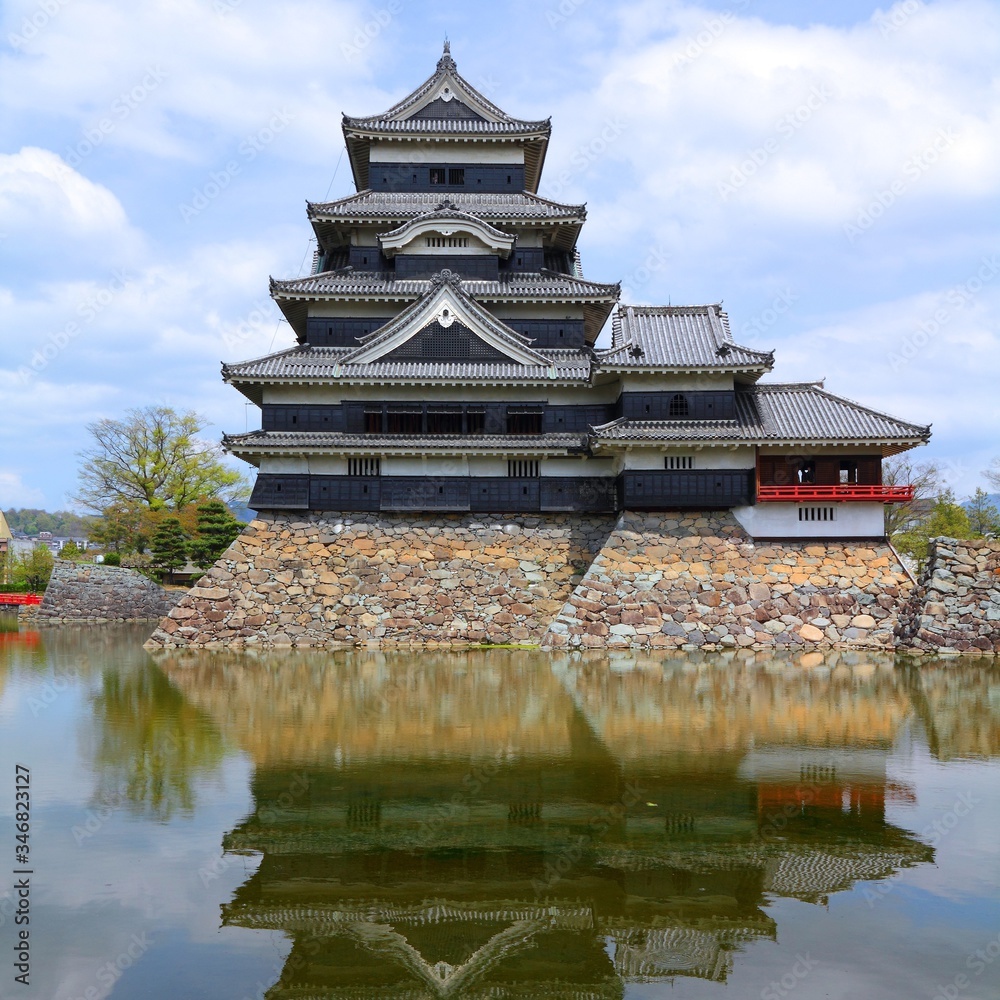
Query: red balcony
{"points": [[809, 493]]}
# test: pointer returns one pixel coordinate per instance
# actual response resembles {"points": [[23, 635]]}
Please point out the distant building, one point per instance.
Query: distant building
{"points": [[447, 359]]}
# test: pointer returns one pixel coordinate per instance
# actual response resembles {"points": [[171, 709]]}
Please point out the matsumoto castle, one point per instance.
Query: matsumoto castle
{"points": [[446, 359]]}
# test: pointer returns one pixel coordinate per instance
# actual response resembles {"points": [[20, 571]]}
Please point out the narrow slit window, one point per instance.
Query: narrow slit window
{"points": [[523, 468], [456, 175], [365, 467], [438, 176], [676, 462]]}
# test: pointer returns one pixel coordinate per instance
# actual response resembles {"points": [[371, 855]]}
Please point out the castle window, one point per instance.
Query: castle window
{"points": [[817, 513], [364, 466], [438, 175], [848, 472], [674, 462], [523, 468], [444, 420], [405, 420], [524, 421], [476, 421], [678, 405], [456, 175], [373, 419]]}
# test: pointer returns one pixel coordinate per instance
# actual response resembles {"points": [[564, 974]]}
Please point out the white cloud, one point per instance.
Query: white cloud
{"points": [[14, 492]]}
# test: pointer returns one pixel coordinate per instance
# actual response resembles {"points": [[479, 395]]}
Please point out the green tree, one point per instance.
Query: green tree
{"points": [[120, 528], [70, 551], [946, 518], [217, 528], [153, 458], [984, 518], [168, 546], [33, 569]]}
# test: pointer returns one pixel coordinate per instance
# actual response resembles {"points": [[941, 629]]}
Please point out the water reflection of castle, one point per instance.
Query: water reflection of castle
{"points": [[516, 824]]}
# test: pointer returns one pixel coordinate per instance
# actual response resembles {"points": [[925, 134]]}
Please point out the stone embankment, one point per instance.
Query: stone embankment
{"points": [[698, 580], [956, 606], [391, 580], [81, 592], [560, 581]]}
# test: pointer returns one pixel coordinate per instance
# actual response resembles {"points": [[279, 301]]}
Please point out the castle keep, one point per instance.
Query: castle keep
{"points": [[447, 359]]}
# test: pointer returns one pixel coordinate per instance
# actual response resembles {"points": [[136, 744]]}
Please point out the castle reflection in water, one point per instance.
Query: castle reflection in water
{"points": [[507, 823]]}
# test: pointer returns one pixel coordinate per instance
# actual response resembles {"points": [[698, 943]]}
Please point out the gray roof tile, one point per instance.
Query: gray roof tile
{"points": [[279, 440], [392, 205], [775, 413], [677, 337], [348, 282], [326, 364]]}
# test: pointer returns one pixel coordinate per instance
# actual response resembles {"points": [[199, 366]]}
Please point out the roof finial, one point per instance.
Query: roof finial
{"points": [[446, 62]]}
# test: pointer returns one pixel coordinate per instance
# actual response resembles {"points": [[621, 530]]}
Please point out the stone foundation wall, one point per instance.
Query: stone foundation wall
{"points": [[567, 581], [81, 592], [957, 603], [412, 579], [699, 580]]}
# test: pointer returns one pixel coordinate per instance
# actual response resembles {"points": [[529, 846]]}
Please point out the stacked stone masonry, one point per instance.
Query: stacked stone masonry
{"points": [[649, 581], [957, 605], [90, 593], [698, 580], [406, 580]]}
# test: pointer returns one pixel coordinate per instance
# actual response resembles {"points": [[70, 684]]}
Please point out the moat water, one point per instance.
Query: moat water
{"points": [[494, 824]]}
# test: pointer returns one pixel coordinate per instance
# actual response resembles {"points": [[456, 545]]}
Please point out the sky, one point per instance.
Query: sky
{"points": [[829, 171]]}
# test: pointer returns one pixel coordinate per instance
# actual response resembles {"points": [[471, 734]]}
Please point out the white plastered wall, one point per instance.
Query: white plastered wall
{"points": [[781, 520], [704, 458], [416, 153]]}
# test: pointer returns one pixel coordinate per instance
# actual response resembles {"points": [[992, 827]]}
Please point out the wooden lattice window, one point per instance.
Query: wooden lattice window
{"points": [[678, 405]]}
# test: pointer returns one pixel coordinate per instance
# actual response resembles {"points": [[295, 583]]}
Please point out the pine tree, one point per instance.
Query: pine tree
{"points": [[984, 518], [217, 528], [169, 546]]}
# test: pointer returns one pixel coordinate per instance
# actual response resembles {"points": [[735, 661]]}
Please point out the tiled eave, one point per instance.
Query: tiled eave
{"points": [[610, 445], [727, 369], [261, 444]]}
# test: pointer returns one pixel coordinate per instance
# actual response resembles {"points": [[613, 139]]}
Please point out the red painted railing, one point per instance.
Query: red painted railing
{"points": [[20, 599], [807, 492]]}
